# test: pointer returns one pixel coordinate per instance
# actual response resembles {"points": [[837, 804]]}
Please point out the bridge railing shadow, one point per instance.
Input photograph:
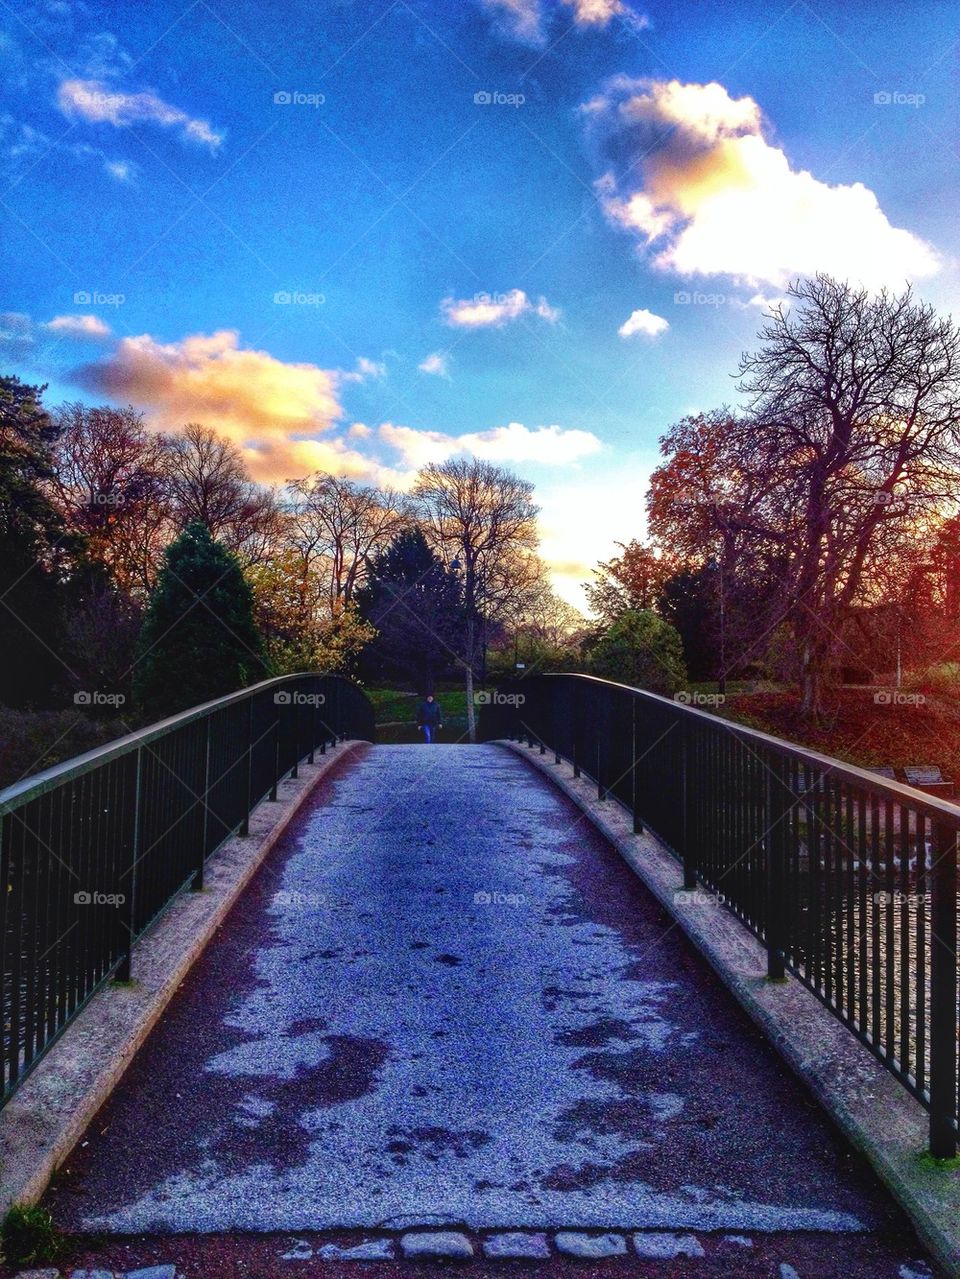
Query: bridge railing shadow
{"points": [[847, 877], [94, 849]]}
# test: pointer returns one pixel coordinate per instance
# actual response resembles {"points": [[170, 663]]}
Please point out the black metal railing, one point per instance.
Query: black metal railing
{"points": [[849, 879], [91, 851]]}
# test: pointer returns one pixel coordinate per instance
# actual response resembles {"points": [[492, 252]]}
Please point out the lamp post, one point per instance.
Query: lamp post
{"points": [[722, 681], [516, 643]]}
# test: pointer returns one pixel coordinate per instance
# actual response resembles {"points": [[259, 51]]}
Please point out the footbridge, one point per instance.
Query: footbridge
{"points": [[489, 1001]]}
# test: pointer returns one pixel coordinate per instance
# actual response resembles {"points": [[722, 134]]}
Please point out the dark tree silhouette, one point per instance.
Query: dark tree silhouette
{"points": [[199, 640], [38, 553], [416, 605]]}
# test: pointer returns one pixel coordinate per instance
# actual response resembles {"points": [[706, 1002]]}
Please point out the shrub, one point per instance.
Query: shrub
{"points": [[640, 648]]}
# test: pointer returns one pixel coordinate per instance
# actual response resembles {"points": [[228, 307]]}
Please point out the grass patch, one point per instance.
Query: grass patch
{"points": [[399, 706], [926, 1160], [30, 1236]]}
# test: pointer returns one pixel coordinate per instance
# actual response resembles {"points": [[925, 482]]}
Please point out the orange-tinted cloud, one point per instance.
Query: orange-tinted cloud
{"points": [[259, 402], [690, 170]]}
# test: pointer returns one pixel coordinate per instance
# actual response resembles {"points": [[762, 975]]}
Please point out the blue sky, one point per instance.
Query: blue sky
{"points": [[300, 223]]}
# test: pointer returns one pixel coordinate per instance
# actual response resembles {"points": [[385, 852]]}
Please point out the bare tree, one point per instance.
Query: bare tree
{"points": [[483, 518], [338, 524], [851, 441], [551, 619], [207, 480], [108, 483]]}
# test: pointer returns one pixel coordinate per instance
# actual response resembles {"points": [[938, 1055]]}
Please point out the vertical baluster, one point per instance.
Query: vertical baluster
{"points": [[923, 959], [133, 871], [905, 978], [777, 808], [889, 941], [863, 881]]}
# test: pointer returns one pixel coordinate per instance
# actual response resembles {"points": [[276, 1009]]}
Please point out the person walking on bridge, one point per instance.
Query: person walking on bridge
{"points": [[428, 717]]}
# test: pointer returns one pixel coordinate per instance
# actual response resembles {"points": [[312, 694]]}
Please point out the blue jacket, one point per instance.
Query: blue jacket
{"points": [[429, 713]]}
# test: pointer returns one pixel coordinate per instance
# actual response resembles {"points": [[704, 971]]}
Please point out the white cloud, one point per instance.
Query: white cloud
{"points": [[492, 310], [365, 369], [95, 102], [436, 363], [529, 20], [598, 13], [516, 443], [79, 326], [690, 170], [520, 19], [122, 170], [644, 322]]}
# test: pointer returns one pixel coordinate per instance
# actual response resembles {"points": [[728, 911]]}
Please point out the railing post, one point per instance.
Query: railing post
{"points": [[686, 799], [601, 721], [943, 992], [576, 729], [634, 784], [778, 804], [197, 884], [295, 731], [130, 904], [245, 824], [276, 747]]}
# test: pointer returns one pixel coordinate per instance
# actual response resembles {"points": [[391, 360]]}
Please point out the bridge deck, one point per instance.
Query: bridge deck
{"points": [[446, 998]]}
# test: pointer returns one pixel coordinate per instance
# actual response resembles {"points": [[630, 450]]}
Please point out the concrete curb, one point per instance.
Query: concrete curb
{"points": [[875, 1113], [51, 1110]]}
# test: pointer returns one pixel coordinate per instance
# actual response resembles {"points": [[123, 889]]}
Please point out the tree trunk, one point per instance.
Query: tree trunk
{"points": [[813, 663]]}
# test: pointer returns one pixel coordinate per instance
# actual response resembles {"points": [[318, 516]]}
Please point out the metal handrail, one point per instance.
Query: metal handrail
{"points": [[902, 792], [12, 796], [848, 878], [93, 849]]}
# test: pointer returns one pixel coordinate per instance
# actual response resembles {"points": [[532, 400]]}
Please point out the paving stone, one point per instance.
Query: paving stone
{"points": [[91, 1274], [516, 1244], [369, 1250], [151, 1272], [662, 1243], [439, 1243], [787, 1272], [39, 1274], [590, 1247]]}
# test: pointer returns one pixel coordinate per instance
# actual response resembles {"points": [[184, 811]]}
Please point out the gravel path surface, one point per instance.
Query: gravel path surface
{"points": [[447, 1000]]}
